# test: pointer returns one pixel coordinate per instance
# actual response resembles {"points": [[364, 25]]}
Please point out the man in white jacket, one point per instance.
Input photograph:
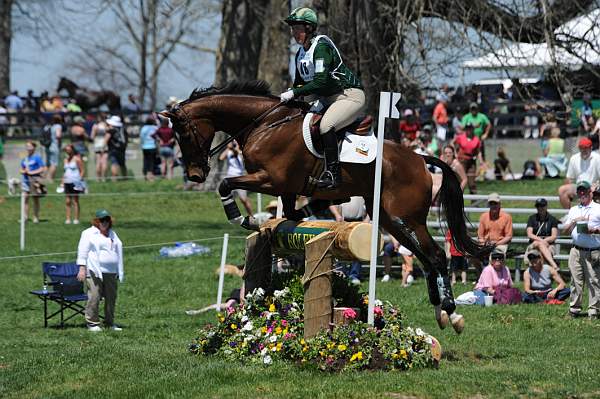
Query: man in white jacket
{"points": [[100, 260]]}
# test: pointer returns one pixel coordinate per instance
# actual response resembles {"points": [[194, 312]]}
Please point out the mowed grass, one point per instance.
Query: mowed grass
{"points": [[505, 351]]}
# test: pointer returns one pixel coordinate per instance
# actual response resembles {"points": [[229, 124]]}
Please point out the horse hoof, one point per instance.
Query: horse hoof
{"points": [[458, 322], [442, 317]]}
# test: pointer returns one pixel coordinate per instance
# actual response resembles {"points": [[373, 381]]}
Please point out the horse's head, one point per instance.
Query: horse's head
{"points": [[194, 136]]}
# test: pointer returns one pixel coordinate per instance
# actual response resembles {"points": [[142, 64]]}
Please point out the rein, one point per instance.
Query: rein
{"points": [[242, 132]]}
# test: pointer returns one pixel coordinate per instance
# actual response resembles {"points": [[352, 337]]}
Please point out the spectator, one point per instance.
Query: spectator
{"points": [[409, 126], [469, 151], [3, 124], [389, 251], [502, 165], [554, 161], [14, 105], [583, 223], [100, 139], [235, 168], [494, 276], [458, 261], [72, 182], [428, 143], [481, 125], [449, 156], [440, 116], [72, 106], [457, 127], [117, 145], [100, 260], [166, 151], [46, 103], [53, 151], [586, 111], [131, 107], [58, 104], [148, 143], [31, 102], [537, 281], [530, 121], [352, 211], [584, 165], [548, 124], [32, 169], [79, 137], [542, 231], [495, 226]]}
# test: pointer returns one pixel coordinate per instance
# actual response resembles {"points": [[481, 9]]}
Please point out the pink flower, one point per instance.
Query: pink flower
{"points": [[378, 311], [349, 313], [284, 323], [230, 310], [270, 330]]}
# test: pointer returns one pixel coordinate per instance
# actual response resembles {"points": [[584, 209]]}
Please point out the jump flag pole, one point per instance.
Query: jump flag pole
{"points": [[387, 109]]}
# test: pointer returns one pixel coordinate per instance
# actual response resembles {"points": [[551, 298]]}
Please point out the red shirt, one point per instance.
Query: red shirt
{"points": [[453, 250], [409, 130], [468, 148], [165, 134]]}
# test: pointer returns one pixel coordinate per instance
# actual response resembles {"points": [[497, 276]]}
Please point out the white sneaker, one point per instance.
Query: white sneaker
{"points": [[355, 281], [75, 221], [114, 327], [385, 278], [36, 220], [68, 221], [94, 328], [410, 279]]}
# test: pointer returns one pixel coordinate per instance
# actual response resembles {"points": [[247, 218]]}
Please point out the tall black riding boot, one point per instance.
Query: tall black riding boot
{"points": [[332, 176]]}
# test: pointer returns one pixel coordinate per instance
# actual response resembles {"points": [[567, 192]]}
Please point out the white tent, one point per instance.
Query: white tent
{"points": [[576, 42]]}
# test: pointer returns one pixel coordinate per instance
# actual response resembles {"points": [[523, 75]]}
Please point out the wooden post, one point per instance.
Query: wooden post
{"points": [[317, 284], [257, 272]]}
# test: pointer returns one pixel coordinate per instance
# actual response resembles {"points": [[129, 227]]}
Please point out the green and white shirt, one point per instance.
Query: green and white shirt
{"points": [[321, 71]]}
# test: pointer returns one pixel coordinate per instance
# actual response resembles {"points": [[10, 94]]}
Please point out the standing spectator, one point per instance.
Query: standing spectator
{"points": [[542, 231], [31, 102], [457, 127], [32, 169], [235, 167], [79, 137], [409, 126], [72, 182], [148, 144], [3, 123], [495, 276], [537, 281], [14, 105], [389, 251], [481, 125], [440, 116], [166, 151], [469, 151], [117, 145], [57, 103], [46, 103], [584, 165], [72, 106], [586, 112], [495, 226], [100, 140], [100, 260], [583, 223], [131, 107], [351, 211], [458, 261], [530, 120], [53, 151]]}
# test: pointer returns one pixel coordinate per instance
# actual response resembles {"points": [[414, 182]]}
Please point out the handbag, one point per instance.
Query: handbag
{"points": [[507, 296]]}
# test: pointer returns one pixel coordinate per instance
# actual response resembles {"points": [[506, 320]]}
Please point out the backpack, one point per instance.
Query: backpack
{"points": [[117, 138], [507, 296], [46, 136], [529, 170]]}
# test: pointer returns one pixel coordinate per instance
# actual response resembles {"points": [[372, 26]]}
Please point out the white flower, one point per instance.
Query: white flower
{"points": [[273, 338], [267, 360], [418, 331], [274, 349], [249, 338], [279, 293], [248, 326], [244, 319], [228, 351], [259, 292], [428, 339], [264, 351], [378, 302]]}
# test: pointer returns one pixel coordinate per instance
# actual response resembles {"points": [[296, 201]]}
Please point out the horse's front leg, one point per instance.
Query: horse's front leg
{"points": [[255, 182]]}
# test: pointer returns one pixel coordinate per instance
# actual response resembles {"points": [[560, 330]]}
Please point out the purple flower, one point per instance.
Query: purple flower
{"points": [[232, 344]]}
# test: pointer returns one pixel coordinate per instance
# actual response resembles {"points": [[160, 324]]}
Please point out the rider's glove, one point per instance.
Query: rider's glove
{"points": [[286, 96]]}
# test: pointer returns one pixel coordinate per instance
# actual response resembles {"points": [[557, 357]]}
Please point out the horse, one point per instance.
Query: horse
{"points": [[279, 164], [88, 99]]}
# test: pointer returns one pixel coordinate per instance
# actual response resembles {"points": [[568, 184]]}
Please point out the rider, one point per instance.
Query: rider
{"points": [[321, 74]]}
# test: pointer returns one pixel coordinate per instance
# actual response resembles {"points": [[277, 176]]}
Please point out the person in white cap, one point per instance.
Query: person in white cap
{"points": [[409, 126], [117, 144]]}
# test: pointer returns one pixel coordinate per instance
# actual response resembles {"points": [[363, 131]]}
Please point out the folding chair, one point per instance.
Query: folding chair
{"points": [[64, 289]]}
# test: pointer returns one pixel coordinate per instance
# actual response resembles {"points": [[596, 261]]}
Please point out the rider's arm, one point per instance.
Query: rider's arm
{"points": [[298, 81], [323, 59]]}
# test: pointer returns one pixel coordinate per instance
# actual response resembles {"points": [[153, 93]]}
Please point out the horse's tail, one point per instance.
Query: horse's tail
{"points": [[451, 200]]}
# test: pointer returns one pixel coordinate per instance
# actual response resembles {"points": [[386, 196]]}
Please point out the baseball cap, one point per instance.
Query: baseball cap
{"points": [[102, 213], [534, 254], [493, 197], [408, 112], [469, 126], [473, 105], [584, 142], [541, 202], [497, 254], [584, 183]]}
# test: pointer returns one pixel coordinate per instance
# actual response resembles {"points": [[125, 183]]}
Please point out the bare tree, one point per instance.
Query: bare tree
{"points": [[5, 42]]}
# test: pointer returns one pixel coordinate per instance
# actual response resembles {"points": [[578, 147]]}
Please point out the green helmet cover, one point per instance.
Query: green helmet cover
{"points": [[302, 15]]}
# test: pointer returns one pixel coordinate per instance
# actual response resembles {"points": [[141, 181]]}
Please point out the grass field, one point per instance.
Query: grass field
{"points": [[517, 351]]}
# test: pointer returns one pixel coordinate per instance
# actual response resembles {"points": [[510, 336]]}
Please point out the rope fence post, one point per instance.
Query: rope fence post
{"points": [[22, 227], [222, 270], [259, 202]]}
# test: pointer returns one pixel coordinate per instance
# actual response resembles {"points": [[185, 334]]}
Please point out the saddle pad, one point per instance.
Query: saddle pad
{"points": [[355, 148]]}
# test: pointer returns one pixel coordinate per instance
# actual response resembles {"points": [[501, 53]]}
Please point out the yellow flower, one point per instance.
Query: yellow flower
{"points": [[272, 308], [302, 341], [263, 330], [244, 344], [330, 345], [233, 326], [279, 345], [356, 356], [394, 355], [341, 347], [278, 330], [220, 318], [285, 331], [321, 353], [366, 301], [403, 353], [305, 348]]}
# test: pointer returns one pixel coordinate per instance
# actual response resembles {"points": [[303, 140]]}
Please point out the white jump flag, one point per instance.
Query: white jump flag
{"points": [[387, 109]]}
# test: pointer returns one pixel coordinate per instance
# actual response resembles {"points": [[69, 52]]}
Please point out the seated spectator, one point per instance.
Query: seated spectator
{"points": [[537, 281], [584, 165], [449, 156], [554, 161], [389, 251], [502, 166], [409, 126], [496, 275], [542, 231], [495, 226]]}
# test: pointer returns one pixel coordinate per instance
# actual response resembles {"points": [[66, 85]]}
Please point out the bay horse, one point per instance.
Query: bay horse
{"points": [[88, 99], [279, 164]]}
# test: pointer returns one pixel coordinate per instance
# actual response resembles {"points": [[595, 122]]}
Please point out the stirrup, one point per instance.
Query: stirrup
{"points": [[327, 181]]}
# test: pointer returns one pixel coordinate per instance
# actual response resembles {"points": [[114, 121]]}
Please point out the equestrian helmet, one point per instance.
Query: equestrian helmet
{"points": [[302, 15]]}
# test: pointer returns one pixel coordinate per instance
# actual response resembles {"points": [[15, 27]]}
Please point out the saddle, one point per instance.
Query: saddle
{"points": [[361, 127]]}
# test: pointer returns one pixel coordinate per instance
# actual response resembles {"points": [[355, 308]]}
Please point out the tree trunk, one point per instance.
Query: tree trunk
{"points": [[274, 58], [5, 41]]}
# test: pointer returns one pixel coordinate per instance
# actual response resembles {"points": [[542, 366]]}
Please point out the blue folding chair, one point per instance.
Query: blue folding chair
{"points": [[63, 289]]}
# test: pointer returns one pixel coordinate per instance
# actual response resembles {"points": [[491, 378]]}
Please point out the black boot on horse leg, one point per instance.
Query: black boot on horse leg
{"points": [[231, 209], [332, 176], [440, 295]]}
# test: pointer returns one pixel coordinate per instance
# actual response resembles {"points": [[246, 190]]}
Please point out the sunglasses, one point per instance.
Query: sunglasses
{"points": [[497, 257]]}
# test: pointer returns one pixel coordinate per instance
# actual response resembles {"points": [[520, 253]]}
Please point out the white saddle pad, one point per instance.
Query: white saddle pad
{"points": [[355, 148]]}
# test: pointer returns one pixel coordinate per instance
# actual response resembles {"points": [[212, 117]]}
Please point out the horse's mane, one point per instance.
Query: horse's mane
{"points": [[251, 87]]}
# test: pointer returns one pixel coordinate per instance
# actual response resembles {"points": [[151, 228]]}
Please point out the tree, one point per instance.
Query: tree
{"points": [[5, 42]]}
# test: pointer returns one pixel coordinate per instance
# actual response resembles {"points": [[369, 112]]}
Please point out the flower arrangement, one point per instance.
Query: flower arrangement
{"points": [[270, 326]]}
